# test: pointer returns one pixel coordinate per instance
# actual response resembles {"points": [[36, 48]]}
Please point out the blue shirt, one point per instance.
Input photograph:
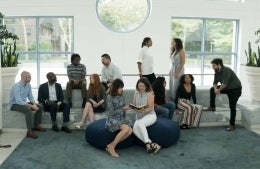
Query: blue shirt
{"points": [[19, 94]]}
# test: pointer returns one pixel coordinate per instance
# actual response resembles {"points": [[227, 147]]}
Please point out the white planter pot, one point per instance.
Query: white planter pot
{"points": [[8, 75], [253, 81]]}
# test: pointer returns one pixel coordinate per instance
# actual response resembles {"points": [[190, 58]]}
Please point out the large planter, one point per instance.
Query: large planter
{"points": [[8, 75], [253, 81]]}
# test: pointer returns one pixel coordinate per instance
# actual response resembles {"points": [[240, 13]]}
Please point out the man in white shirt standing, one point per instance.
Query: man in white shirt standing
{"points": [[145, 61], [110, 71]]}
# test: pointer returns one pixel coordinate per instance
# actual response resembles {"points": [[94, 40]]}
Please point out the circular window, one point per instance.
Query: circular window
{"points": [[123, 15]]}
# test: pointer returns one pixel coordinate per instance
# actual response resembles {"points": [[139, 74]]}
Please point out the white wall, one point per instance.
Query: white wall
{"points": [[92, 39]]}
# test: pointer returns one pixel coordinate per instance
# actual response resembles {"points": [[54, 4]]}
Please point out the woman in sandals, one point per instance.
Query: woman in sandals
{"points": [[96, 100], [191, 113], [116, 116], [144, 96]]}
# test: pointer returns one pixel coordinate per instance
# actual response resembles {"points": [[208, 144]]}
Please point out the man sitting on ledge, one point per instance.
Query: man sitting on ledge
{"points": [[20, 91]]}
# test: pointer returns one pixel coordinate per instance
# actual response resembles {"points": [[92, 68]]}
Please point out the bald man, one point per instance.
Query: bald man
{"points": [[20, 92]]}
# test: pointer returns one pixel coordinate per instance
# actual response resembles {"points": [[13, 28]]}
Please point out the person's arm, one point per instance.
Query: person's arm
{"points": [[30, 96], [110, 106], [59, 93], [178, 93], [84, 73], [139, 63], [193, 93], [150, 104], [117, 74], [41, 98]]}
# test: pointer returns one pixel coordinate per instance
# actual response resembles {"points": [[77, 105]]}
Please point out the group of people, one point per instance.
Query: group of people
{"points": [[106, 93]]}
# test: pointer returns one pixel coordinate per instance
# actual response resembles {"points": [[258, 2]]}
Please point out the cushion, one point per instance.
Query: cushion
{"points": [[164, 132], [98, 136]]}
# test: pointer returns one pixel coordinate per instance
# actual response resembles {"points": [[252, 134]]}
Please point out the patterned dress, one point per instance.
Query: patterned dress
{"points": [[116, 113]]}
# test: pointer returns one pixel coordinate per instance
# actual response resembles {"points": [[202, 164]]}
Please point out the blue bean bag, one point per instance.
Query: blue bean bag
{"points": [[98, 136], [164, 132]]}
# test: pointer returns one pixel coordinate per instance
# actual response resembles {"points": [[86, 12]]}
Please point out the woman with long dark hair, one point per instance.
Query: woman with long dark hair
{"points": [[177, 69]]}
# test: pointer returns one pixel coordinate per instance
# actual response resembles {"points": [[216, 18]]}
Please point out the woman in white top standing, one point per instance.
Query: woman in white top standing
{"points": [[177, 69], [145, 61]]}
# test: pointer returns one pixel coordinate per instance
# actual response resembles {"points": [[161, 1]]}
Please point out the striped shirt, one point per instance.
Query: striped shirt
{"points": [[76, 72]]}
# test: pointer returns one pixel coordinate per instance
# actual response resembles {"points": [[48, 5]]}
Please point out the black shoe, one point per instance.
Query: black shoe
{"points": [[55, 128], [66, 129]]}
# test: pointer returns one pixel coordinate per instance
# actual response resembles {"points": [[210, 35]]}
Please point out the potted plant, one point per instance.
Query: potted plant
{"points": [[9, 58], [252, 69]]}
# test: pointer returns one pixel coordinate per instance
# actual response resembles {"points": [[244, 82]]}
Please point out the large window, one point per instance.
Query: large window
{"points": [[203, 40], [45, 44]]}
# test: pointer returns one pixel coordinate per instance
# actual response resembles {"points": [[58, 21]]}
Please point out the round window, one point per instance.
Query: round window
{"points": [[123, 15]]}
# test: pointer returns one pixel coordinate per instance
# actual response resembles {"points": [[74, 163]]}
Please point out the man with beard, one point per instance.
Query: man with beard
{"points": [[110, 71], [50, 95], [18, 102], [229, 84]]}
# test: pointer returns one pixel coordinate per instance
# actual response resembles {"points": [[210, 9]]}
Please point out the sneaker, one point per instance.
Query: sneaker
{"points": [[230, 128], [65, 129], [55, 128], [209, 109]]}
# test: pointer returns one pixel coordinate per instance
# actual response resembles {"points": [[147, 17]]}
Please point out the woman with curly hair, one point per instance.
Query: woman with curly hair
{"points": [[163, 108], [191, 113], [96, 100]]}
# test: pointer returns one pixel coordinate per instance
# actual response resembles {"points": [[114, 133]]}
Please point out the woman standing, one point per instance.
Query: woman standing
{"points": [[163, 107], [177, 70], [116, 116], [144, 96], [191, 112], [96, 100], [145, 60]]}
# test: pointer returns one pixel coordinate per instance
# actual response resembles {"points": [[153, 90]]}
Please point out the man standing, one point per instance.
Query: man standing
{"points": [[76, 73], [110, 71], [230, 85], [50, 95], [19, 93]]}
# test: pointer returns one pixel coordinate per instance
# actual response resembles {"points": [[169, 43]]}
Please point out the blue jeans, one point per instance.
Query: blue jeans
{"points": [[166, 110]]}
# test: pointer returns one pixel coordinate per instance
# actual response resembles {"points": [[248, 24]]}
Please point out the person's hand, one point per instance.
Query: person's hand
{"points": [[48, 102], [217, 92], [76, 82], [176, 75], [34, 107]]}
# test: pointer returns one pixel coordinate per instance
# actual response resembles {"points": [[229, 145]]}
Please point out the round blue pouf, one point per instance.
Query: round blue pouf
{"points": [[164, 132], [98, 136]]}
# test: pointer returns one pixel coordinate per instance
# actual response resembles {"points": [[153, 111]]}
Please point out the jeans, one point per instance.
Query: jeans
{"points": [[165, 110], [233, 96]]}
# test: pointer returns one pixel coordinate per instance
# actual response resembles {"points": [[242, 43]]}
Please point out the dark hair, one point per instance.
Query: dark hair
{"points": [[159, 90], [116, 84], [145, 41], [182, 79], [217, 61], [146, 82], [48, 74], [106, 56], [74, 56], [178, 47]]}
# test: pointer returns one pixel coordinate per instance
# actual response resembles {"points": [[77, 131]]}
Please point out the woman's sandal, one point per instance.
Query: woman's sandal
{"points": [[153, 148], [230, 128], [5, 146], [113, 153]]}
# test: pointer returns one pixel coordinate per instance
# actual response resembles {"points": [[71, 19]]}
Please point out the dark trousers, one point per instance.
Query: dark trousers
{"points": [[53, 109], [81, 85], [233, 96], [150, 77], [31, 120]]}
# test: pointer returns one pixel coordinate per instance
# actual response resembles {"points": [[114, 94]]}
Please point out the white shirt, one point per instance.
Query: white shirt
{"points": [[52, 92], [147, 61], [110, 72]]}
